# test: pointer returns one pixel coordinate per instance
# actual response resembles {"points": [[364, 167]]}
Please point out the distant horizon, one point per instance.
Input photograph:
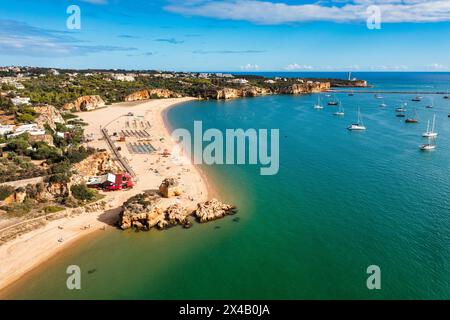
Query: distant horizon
{"points": [[243, 72]]}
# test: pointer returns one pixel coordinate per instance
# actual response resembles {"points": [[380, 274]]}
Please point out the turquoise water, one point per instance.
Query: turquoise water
{"points": [[341, 201]]}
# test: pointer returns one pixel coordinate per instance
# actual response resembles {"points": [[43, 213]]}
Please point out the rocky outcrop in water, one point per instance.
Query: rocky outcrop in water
{"points": [[170, 188], [86, 103], [151, 94], [146, 211], [213, 209]]}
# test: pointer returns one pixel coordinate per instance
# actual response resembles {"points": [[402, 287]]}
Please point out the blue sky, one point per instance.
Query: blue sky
{"points": [[229, 35]]}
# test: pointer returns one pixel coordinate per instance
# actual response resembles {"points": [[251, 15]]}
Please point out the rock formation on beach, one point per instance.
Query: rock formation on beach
{"points": [[170, 188], [151, 94], [145, 211], [85, 103], [213, 209]]}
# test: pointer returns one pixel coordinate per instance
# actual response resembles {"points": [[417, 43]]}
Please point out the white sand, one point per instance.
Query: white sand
{"points": [[27, 252]]}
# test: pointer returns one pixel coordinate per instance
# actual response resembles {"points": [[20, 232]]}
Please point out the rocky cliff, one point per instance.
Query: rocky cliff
{"points": [[232, 93], [94, 165], [150, 94], [303, 88], [48, 115], [86, 103], [253, 91]]}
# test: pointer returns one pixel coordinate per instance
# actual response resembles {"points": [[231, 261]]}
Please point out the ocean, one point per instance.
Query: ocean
{"points": [[342, 201]]}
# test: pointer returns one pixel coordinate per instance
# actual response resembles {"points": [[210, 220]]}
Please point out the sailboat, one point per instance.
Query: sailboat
{"points": [[351, 94], [413, 119], [333, 102], [447, 96], [340, 112], [318, 105], [383, 105], [431, 133], [359, 126], [430, 146], [430, 106]]}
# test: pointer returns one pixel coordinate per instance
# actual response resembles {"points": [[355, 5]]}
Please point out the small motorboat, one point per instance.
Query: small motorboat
{"points": [[333, 103], [417, 99], [401, 115], [412, 119]]}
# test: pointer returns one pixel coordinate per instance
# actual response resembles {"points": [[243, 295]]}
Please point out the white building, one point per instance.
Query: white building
{"points": [[270, 81], [123, 77], [32, 129], [6, 129], [238, 81], [18, 101]]}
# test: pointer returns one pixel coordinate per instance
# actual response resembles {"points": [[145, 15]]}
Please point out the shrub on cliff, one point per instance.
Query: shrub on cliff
{"points": [[5, 192], [82, 192]]}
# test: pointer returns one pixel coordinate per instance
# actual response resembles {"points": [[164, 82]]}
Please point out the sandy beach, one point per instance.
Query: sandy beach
{"points": [[28, 251]]}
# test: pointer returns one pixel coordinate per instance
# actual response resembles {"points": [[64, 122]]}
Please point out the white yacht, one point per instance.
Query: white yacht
{"points": [[359, 126], [431, 133], [318, 105], [340, 112], [430, 146]]}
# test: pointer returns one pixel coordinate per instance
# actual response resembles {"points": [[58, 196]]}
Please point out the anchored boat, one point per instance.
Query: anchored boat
{"points": [[318, 105], [359, 126], [431, 133], [430, 146]]}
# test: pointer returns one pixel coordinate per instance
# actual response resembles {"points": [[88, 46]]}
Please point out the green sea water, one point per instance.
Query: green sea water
{"points": [[342, 201]]}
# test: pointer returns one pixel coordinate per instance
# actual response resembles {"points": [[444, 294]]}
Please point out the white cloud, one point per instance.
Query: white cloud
{"points": [[438, 67], [250, 66], [266, 12], [296, 66]]}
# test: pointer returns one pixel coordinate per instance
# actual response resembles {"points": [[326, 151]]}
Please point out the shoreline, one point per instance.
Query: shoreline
{"points": [[42, 243]]}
